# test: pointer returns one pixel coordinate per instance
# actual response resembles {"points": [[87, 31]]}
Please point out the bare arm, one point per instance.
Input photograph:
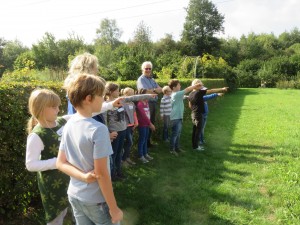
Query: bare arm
{"points": [[190, 88], [105, 184], [63, 165], [216, 90]]}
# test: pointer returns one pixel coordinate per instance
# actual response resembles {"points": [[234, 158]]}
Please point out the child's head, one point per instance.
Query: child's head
{"points": [[84, 85], [166, 90], [197, 81], [111, 90], [84, 63], [127, 91], [174, 84], [38, 101]]}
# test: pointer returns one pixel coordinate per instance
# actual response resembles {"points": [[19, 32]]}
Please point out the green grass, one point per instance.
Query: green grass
{"points": [[248, 173]]}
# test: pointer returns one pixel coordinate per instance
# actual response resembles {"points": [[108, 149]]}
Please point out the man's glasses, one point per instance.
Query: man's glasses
{"points": [[148, 68]]}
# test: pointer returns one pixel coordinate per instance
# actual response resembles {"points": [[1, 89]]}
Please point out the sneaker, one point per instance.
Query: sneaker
{"points": [[174, 152], [148, 157], [130, 161], [125, 163], [200, 148], [179, 150], [143, 160]]}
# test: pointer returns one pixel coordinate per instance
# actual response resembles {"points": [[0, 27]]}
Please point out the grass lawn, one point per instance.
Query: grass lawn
{"points": [[248, 173]]}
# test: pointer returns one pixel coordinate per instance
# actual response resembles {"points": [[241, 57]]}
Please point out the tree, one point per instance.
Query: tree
{"points": [[108, 33], [142, 34], [11, 51], [202, 22]]}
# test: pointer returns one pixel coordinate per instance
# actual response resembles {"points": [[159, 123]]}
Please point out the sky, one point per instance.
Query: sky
{"points": [[28, 20]]}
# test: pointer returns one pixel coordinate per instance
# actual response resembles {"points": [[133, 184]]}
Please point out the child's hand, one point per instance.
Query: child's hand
{"points": [[116, 215], [90, 177], [118, 102], [152, 127], [113, 135], [220, 94], [225, 89]]}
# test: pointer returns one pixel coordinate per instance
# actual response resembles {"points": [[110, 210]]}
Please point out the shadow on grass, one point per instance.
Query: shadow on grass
{"points": [[186, 189]]}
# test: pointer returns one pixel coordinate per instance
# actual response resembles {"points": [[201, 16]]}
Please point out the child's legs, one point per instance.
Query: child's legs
{"points": [[176, 130], [117, 146], [196, 132], [179, 129], [166, 127], [90, 213], [145, 147], [127, 143], [59, 220], [143, 136], [204, 118]]}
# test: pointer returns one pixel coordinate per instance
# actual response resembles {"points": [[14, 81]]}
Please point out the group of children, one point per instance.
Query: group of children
{"points": [[97, 139]]}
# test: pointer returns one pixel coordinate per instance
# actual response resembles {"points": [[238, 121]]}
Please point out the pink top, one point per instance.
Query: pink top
{"points": [[143, 114]]}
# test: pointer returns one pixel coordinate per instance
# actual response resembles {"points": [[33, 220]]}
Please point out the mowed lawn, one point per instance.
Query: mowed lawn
{"points": [[248, 173]]}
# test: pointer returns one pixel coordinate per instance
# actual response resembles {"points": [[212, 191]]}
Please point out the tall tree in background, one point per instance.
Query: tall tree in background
{"points": [[202, 22], [108, 33]]}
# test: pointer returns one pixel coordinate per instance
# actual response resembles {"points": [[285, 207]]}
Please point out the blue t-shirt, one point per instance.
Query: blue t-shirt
{"points": [[83, 141], [177, 105]]}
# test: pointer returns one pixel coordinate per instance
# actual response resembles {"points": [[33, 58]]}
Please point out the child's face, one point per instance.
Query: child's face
{"points": [[50, 113], [115, 94], [168, 92], [97, 103]]}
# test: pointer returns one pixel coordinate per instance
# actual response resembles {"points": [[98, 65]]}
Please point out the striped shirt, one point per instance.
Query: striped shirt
{"points": [[165, 106]]}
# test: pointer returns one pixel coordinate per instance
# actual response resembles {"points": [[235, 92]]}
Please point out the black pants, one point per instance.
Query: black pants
{"points": [[197, 125], [152, 107]]}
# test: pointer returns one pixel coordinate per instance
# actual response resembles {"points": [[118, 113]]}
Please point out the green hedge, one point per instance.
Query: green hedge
{"points": [[18, 187]]}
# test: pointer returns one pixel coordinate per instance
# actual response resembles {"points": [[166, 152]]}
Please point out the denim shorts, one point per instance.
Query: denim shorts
{"points": [[90, 213]]}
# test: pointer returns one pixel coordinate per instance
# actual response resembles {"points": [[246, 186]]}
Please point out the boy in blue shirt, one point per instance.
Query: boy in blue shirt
{"points": [[177, 113], [85, 146]]}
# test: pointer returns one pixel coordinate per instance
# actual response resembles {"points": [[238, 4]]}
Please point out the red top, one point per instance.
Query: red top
{"points": [[143, 113]]}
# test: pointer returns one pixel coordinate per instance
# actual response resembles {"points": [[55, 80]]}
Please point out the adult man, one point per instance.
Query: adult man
{"points": [[145, 81]]}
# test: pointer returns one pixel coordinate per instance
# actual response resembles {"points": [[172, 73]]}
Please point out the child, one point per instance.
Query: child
{"points": [[196, 103], [86, 63], [165, 111], [143, 115], [45, 130], [116, 122], [177, 113], [86, 145], [132, 123], [204, 115]]}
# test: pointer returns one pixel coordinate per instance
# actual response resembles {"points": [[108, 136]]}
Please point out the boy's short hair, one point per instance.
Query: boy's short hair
{"points": [[84, 85], [173, 83], [165, 89], [196, 81]]}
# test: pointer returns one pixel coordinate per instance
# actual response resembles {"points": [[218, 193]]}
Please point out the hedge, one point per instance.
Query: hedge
{"points": [[18, 187]]}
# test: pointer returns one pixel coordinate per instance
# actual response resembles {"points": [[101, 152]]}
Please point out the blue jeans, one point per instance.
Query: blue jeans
{"points": [[128, 142], [142, 142], [117, 146], [90, 213], [175, 136], [166, 127], [204, 119]]}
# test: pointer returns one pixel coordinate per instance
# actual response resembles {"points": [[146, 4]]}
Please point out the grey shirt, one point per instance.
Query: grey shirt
{"points": [[83, 141]]}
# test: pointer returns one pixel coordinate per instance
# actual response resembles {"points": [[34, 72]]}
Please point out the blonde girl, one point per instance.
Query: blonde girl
{"points": [[44, 133]]}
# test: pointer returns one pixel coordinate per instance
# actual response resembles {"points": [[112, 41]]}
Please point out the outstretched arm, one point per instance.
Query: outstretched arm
{"points": [[216, 90]]}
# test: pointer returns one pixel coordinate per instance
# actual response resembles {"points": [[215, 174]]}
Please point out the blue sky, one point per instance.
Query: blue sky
{"points": [[28, 20]]}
